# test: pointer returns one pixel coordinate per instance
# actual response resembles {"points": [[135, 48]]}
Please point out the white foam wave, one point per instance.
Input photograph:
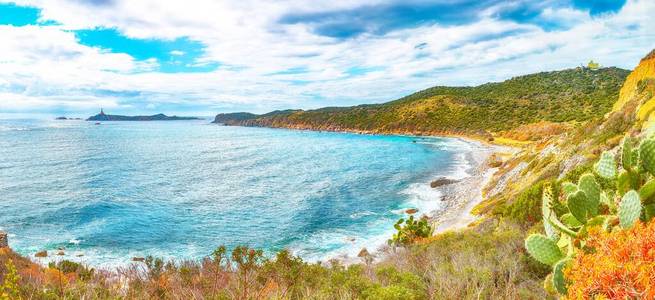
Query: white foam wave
{"points": [[360, 214], [422, 197], [343, 244]]}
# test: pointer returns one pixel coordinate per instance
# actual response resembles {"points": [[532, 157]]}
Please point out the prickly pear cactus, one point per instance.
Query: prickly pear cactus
{"points": [[629, 209], [606, 166], [626, 153], [558, 276], [570, 221], [569, 188], [647, 191], [647, 155], [577, 204], [543, 249], [590, 187]]}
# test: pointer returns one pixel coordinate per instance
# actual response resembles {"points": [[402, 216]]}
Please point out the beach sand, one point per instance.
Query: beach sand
{"points": [[459, 198]]}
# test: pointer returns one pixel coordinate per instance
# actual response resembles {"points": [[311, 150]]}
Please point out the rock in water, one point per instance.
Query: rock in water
{"points": [[138, 259], [442, 181], [3, 239], [411, 211], [41, 254]]}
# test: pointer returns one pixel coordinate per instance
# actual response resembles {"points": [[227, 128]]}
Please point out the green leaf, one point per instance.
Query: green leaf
{"points": [[543, 249], [629, 209]]}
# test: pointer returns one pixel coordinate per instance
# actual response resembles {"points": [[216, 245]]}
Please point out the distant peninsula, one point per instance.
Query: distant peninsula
{"points": [[158, 117]]}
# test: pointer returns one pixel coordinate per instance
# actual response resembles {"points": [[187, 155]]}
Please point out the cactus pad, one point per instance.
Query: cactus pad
{"points": [[649, 212], [558, 276], [629, 209], [606, 166], [570, 221], [647, 191], [543, 249], [577, 204], [549, 216], [569, 188], [626, 153], [590, 187], [647, 155]]}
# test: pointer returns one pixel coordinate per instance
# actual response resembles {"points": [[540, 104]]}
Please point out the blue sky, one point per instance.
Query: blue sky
{"points": [[202, 57]]}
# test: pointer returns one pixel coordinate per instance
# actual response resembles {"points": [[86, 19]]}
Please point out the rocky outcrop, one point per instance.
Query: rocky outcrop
{"points": [[441, 182], [4, 242]]}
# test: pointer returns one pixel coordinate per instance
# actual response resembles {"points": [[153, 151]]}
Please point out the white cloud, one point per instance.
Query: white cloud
{"points": [[45, 66]]}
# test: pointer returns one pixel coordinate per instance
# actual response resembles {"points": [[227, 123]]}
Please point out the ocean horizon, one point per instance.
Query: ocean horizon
{"points": [[107, 193]]}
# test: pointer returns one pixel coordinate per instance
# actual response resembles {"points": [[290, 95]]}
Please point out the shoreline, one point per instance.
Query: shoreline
{"points": [[456, 199], [469, 137], [461, 197]]}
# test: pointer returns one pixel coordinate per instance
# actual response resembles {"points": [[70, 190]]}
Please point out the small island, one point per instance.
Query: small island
{"points": [[158, 117]]}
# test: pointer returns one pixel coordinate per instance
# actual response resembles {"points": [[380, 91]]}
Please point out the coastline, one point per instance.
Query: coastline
{"points": [[461, 197], [485, 139], [457, 199], [448, 205]]}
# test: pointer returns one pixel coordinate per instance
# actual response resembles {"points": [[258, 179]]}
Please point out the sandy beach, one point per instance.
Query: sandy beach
{"points": [[460, 197]]}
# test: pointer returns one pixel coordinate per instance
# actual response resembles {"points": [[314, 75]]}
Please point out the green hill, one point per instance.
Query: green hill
{"points": [[561, 96]]}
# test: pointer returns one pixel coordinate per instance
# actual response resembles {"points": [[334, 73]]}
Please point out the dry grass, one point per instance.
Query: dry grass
{"points": [[455, 265]]}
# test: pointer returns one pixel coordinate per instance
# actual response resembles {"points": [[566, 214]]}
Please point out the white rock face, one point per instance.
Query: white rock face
{"points": [[507, 177]]}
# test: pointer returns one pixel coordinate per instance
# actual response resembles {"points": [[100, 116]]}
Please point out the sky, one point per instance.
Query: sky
{"points": [[202, 57]]}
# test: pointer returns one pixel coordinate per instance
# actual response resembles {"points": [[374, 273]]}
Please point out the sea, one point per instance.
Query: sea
{"points": [[106, 193]]}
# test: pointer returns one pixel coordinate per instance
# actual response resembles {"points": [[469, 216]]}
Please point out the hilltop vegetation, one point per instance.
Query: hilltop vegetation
{"points": [[573, 95]]}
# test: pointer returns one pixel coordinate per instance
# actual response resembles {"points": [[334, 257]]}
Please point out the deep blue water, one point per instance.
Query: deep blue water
{"points": [[179, 189]]}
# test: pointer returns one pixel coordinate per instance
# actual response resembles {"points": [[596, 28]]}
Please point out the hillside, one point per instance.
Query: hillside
{"points": [[573, 95], [158, 117]]}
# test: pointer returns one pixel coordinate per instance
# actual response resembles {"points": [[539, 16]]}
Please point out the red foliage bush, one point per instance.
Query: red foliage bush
{"points": [[618, 265]]}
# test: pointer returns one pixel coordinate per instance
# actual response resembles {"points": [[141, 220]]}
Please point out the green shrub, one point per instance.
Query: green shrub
{"points": [[410, 230]]}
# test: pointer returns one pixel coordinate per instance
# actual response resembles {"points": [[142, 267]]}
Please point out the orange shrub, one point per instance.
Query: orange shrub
{"points": [[619, 265]]}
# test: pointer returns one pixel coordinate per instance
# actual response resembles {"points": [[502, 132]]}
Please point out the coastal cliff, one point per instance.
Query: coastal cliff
{"points": [[551, 100]]}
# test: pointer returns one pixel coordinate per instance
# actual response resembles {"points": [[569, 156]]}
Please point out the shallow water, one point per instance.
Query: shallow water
{"points": [[179, 189]]}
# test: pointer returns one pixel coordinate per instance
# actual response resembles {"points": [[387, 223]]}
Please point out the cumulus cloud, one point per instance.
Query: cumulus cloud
{"points": [[297, 54]]}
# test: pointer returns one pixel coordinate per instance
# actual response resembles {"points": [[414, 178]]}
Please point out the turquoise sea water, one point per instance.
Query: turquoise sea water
{"points": [[179, 189]]}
